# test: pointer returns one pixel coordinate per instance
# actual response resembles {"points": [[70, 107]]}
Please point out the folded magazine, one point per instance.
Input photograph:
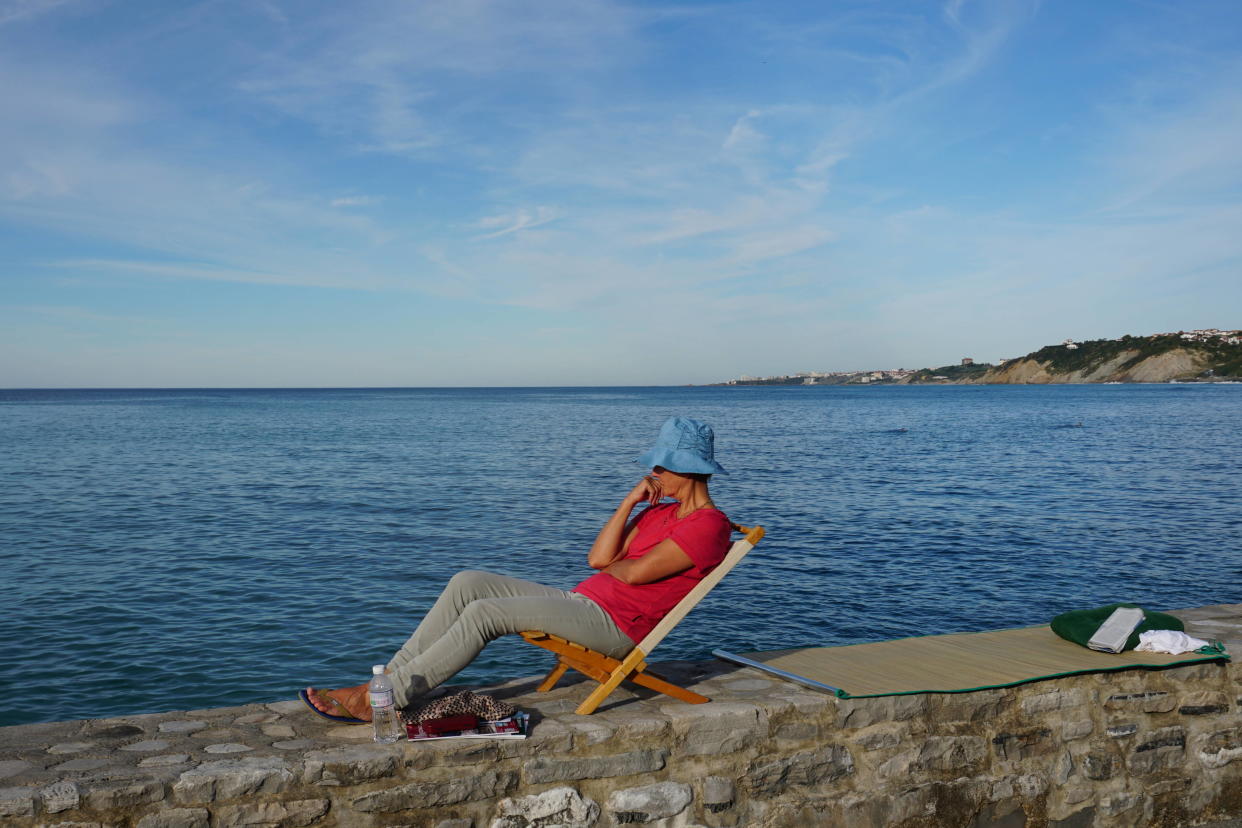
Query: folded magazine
{"points": [[470, 727]]}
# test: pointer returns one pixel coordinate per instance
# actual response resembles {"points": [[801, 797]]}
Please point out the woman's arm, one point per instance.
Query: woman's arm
{"points": [[614, 538], [665, 558]]}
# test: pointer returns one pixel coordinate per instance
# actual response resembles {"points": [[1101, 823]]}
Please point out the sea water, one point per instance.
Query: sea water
{"points": [[185, 549]]}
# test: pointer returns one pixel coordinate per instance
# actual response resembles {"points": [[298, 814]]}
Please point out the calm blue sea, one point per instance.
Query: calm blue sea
{"points": [[184, 549]]}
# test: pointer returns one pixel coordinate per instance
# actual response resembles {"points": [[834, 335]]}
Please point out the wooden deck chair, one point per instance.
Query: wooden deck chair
{"points": [[610, 672]]}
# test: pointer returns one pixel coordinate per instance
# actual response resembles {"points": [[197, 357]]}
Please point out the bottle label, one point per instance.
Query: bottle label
{"points": [[382, 698]]}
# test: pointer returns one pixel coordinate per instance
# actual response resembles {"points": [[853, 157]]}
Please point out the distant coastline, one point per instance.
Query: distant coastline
{"points": [[1207, 355]]}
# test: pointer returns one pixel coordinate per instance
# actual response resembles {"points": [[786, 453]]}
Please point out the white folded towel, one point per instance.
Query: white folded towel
{"points": [[1168, 641]]}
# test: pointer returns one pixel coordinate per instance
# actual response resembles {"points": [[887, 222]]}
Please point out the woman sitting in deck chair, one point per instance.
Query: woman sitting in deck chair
{"points": [[646, 565]]}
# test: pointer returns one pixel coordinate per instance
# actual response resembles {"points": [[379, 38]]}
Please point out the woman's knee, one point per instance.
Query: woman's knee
{"points": [[467, 581], [487, 618]]}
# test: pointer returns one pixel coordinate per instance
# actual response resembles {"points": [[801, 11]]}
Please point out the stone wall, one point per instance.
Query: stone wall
{"points": [[1137, 748]]}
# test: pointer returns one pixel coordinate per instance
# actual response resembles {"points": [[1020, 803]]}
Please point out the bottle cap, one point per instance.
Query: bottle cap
{"points": [[377, 670]]}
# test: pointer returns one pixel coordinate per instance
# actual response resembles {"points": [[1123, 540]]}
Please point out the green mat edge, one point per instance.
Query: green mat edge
{"points": [[1213, 652]]}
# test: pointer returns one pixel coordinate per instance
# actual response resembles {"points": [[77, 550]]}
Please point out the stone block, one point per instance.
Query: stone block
{"points": [[349, 765], [1166, 786], [83, 764], [435, 794], [550, 736], [878, 740], [284, 708], [1220, 748], [184, 727], [797, 731], [106, 796], [980, 706], [717, 793], [176, 818], [230, 778], [1121, 731], [222, 733], [256, 718], [662, 800], [1077, 730], [1150, 701], [147, 746], [294, 814], [15, 802], [718, 727], [587, 733], [455, 823], [1073, 794], [1204, 703], [1041, 703], [962, 755], [748, 685], [164, 760], [1161, 750], [278, 731], [541, 770], [1063, 768], [1118, 803], [294, 744], [771, 776], [1099, 765], [59, 796], [70, 747], [1191, 673], [12, 767], [805, 702], [853, 713], [1017, 746], [350, 733], [465, 752], [562, 806], [228, 747], [631, 726]]}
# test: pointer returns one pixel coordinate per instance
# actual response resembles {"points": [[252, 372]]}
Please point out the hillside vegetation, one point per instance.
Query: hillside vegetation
{"points": [[1198, 355]]}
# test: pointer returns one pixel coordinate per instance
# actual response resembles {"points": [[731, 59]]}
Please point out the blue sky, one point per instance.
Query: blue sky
{"points": [[581, 192]]}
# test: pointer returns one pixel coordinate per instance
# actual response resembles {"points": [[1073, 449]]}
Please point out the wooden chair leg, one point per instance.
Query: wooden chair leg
{"points": [[550, 680], [623, 671], [660, 685]]}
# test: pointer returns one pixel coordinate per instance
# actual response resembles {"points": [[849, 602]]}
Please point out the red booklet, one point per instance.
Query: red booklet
{"points": [[469, 726]]}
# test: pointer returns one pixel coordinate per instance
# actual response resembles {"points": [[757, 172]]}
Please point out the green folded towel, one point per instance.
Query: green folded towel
{"points": [[1079, 625]]}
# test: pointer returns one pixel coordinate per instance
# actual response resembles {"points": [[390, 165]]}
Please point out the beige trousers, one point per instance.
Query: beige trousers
{"points": [[478, 607]]}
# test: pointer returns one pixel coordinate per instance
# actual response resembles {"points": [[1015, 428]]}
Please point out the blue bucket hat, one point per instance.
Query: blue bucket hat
{"points": [[684, 446]]}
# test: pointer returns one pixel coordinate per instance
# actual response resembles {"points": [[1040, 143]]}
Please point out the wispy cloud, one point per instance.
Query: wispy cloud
{"points": [[522, 219], [374, 72]]}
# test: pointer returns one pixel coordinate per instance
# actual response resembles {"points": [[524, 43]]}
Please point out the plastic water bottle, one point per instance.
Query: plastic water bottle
{"points": [[383, 707]]}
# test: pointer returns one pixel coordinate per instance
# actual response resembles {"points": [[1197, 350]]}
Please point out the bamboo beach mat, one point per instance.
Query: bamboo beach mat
{"points": [[954, 663]]}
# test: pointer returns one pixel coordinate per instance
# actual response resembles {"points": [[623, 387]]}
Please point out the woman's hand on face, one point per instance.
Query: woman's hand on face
{"points": [[649, 490]]}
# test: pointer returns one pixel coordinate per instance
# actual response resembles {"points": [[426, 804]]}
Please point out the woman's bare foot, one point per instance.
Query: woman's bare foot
{"points": [[348, 701]]}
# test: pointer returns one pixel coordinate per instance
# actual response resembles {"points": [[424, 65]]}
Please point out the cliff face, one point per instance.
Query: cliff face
{"points": [[1126, 366]]}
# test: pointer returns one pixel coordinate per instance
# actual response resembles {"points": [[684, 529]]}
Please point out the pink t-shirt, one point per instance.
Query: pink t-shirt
{"points": [[636, 608]]}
